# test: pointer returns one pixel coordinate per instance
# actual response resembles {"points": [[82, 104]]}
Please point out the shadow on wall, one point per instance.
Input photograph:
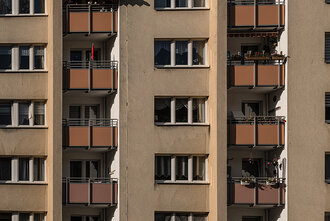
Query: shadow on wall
{"points": [[134, 3]]}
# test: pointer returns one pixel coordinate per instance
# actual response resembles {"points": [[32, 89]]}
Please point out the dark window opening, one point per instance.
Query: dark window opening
{"points": [[163, 110], [162, 52]]}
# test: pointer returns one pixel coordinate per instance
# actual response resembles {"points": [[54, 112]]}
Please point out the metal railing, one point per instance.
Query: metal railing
{"points": [[271, 120], [257, 180], [257, 2], [260, 61], [70, 180], [104, 122], [102, 64]]}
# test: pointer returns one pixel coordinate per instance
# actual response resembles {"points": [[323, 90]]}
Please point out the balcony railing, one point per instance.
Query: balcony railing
{"points": [[90, 133], [256, 131], [256, 13], [90, 192], [256, 73], [257, 193], [90, 18], [90, 75]]}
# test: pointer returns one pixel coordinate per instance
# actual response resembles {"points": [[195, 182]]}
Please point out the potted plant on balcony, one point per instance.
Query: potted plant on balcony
{"points": [[245, 181], [257, 56], [236, 57], [271, 181], [277, 56]]}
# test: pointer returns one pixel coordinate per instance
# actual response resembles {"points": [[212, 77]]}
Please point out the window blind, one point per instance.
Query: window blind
{"points": [[327, 47]]}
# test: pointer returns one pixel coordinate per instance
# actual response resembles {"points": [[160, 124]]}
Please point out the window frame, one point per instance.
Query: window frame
{"points": [[190, 6], [326, 104], [15, 8], [173, 168], [189, 53], [190, 214], [190, 120]]}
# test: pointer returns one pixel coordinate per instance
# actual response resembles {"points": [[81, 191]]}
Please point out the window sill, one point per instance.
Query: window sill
{"points": [[182, 182], [24, 15], [182, 9], [23, 183], [182, 124], [23, 71], [181, 66], [23, 127]]}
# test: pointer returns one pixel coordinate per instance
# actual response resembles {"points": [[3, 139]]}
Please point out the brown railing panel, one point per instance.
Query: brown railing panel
{"points": [[243, 15], [267, 75], [102, 78], [101, 193], [102, 136], [267, 134], [243, 75], [79, 79], [78, 21], [115, 191], [268, 194], [79, 136], [242, 134], [268, 15], [78, 192], [242, 194], [102, 22]]}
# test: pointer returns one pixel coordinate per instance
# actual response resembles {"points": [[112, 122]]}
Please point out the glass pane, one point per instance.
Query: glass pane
{"points": [[38, 169], [181, 3], [198, 52], [182, 168], [163, 168], [75, 56], [163, 216], [251, 168], [327, 113], [24, 6], [5, 216], [5, 57], [181, 217], [92, 169], [327, 166], [199, 3], [39, 57], [24, 57], [92, 112], [23, 169], [24, 113], [5, 168], [38, 217], [162, 3], [199, 110], [39, 113], [181, 52], [5, 7], [5, 114], [327, 216], [199, 168], [75, 169], [24, 217], [181, 110], [199, 217], [39, 6], [162, 52], [162, 109], [74, 112]]}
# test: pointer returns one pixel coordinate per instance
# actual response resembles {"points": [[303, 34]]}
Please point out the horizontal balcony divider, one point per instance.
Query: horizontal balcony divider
{"points": [[256, 192], [90, 133], [90, 18], [256, 131], [256, 14], [90, 75], [90, 191], [256, 73]]}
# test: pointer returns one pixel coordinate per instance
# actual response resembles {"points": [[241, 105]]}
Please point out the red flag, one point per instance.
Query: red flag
{"points": [[92, 56]]}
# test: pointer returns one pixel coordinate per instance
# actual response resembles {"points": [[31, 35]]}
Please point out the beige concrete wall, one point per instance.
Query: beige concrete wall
{"points": [[23, 198], [308, 134], [24, 29]]}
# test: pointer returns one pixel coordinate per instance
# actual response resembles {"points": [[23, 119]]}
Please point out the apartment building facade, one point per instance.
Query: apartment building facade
{"points": [[164, 110]]}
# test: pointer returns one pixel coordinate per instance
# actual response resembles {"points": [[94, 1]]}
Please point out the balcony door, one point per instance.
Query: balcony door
{"points": [[252, 108], [252, 167], [85, 169], [84, 111]]}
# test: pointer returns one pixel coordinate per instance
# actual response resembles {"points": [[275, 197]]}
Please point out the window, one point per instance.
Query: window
{"points": [[39, 113], [39, 57], [87, 218], [180, 53], [92, 168], [160, 4], [327, 167], [24, 6], [162, 52], [327, 216], [23, 171], [74, 112], [187, 168], [5, 57], [180, 110], [39, 6], [327, 47], [75, 169], [5, 216], [24, 57], [160, 216], [24, 217], [5, 113], [250, 109], [24, 113], [5, 7], [38, 169], [327, 108], [251, 167], [5, 169]]}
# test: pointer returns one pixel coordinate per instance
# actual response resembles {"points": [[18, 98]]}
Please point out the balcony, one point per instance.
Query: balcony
{"points": [[90, 19], [101, 192], [93, 134], [256, 15], [257, 193], [256, 131], [90, 76], [268, 73]]}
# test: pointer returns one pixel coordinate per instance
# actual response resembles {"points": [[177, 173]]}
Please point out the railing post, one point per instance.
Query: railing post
{"points": [[255, 13], [255, 132], [89, 19]]}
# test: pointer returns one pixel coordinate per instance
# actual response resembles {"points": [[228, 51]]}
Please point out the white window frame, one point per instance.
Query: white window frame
{"points": [[190, 112], [190, 54], [15, 59], [190, 5], [190, 217], [15, 216], [190, 179], [15, 9], [15, 171]]}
